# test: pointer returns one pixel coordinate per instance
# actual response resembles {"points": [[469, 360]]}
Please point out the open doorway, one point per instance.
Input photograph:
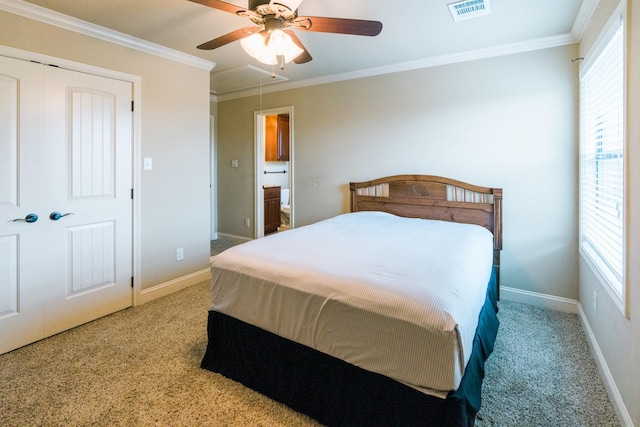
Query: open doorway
{"points": [[274, 172]]}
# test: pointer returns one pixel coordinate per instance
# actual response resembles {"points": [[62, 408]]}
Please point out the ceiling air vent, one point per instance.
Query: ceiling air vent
{"points": [[468, 9]]}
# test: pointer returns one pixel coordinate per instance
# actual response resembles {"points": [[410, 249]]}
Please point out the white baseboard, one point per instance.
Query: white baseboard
{"points": [[233, 238], [564, 305], [567, 305], [609, 383], [174, 285]]}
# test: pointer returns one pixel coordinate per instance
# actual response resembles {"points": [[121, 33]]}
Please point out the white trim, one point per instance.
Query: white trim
{"points": [[174, 285], [213, 183], [234, 238], [583, 19], [137, 190], [609, 383], [136, 137], [537, 299], [603, 275], [508, 49], [259, 141], [51, 17], [567, 305], [605, 36]]}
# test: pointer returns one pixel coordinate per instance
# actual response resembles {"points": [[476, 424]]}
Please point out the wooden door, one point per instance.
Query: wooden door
{"points": [[74, 264]]}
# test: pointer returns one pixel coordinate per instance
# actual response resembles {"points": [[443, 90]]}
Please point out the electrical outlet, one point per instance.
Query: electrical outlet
{"points": [[179, 254], [234, 163], [247, 222], [595, 302]]}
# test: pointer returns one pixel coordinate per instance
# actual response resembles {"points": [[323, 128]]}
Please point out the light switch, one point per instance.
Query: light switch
{"points": [[234, 163], [148, 163]]}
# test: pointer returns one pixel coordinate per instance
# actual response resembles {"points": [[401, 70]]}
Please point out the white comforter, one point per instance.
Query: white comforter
{"points": [[392, 295]]}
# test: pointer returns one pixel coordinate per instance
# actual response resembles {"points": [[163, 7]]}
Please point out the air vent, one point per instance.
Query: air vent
{"points": [[468, 9]]}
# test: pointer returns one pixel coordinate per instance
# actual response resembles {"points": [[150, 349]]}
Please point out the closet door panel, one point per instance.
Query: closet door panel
{"points": [[21, 317], [89, 149], [65, 159]]}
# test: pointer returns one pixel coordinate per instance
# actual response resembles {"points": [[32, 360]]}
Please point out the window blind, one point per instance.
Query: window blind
{"points": [[602, 160]]}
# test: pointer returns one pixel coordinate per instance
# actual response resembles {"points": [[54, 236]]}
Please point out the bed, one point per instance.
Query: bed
{"points": [[381, 316]]}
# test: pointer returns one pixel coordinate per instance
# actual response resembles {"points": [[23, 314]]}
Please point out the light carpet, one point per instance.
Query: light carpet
{"points": [[140, 367]]}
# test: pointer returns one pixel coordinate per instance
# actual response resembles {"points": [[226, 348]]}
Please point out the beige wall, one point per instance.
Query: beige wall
{"points": [[618, 337], [508, 122], [174, 196]]}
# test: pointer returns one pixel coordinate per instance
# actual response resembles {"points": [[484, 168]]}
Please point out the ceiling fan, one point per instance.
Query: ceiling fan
{"points": [[271, 39]]}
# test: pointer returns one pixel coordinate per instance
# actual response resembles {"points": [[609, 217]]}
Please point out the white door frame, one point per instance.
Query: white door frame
{"points": [[213, 180], [259, 137], [136, 141]]}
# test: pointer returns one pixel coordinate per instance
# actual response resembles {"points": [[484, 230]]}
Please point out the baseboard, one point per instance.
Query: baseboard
{"points": [[609, 383], [537, 299], [567, 305], [174, 285], [233, 238]]}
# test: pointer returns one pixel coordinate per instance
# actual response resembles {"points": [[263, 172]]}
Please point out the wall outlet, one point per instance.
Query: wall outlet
{"points": [[595, 302], [247, 222], [234, 163], [179, 254]]}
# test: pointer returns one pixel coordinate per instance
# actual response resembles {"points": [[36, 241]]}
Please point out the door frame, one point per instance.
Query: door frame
{"points": [[259, 150], [136, 96]]}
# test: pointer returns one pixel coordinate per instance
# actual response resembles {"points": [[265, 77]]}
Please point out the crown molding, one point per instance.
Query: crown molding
{"points": [[583, 19], [507, 49], [47, 16]]}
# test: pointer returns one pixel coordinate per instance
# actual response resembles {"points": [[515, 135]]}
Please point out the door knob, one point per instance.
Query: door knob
{"points": [[54, 216], [29, 218]]}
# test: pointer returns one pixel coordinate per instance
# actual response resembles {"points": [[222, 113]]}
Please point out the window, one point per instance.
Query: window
{"points": [[602, 170]]}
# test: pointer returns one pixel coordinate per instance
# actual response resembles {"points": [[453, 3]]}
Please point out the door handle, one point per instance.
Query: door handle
{"points": [[54, 216], [29, 218]]}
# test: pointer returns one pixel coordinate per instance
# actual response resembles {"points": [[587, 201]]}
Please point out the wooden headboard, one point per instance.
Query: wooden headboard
{"points": [[433, 197]]}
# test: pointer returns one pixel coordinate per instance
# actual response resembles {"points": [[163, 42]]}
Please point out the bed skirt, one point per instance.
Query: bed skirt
{"points": [[336, 393]]}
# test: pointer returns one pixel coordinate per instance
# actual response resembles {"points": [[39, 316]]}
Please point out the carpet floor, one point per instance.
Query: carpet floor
{"points": [[140, 367]]}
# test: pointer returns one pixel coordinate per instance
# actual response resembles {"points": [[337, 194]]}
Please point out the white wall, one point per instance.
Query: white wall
{"points": [[174, 196], [618, 338], [507, 122]]}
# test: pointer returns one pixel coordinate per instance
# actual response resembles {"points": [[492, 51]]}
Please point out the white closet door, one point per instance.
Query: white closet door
{"points": [[21, 267], [87, 155], [65, 154]]}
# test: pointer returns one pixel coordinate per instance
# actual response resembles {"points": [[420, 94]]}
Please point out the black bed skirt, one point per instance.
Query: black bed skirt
{"points": [[337, 393]]}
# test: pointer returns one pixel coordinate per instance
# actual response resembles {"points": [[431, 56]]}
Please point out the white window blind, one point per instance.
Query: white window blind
{"points": [[602, 160]]}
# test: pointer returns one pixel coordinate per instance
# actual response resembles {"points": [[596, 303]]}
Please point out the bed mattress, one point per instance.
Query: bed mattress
{"points": [[396, 296]]}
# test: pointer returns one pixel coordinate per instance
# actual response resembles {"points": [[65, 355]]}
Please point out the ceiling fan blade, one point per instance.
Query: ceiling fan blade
{"points": [[229, 37], [358, 27], [304, 56], [221, 5]]}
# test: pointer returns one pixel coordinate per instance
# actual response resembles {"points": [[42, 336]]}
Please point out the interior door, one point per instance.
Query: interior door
{"points": [[21, 269], [87, 199], [65, 145]]}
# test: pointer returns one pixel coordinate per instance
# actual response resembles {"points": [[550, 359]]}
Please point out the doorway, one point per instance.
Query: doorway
{"points": [[274, 174]]}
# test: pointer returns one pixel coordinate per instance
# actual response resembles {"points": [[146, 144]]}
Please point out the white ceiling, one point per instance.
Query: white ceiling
{"points": [[415, 33]]}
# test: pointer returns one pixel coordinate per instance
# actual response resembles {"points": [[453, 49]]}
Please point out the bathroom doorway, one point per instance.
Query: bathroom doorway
{"points": [[274, 183]]}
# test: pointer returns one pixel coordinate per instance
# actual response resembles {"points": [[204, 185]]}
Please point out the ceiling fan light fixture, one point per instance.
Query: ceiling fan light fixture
{"points": [[267, 47], [278, 42], [254, 44], [281, 44]]}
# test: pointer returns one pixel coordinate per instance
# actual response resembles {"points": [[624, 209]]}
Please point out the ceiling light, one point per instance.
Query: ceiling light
{"points": [[269, 47]]}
